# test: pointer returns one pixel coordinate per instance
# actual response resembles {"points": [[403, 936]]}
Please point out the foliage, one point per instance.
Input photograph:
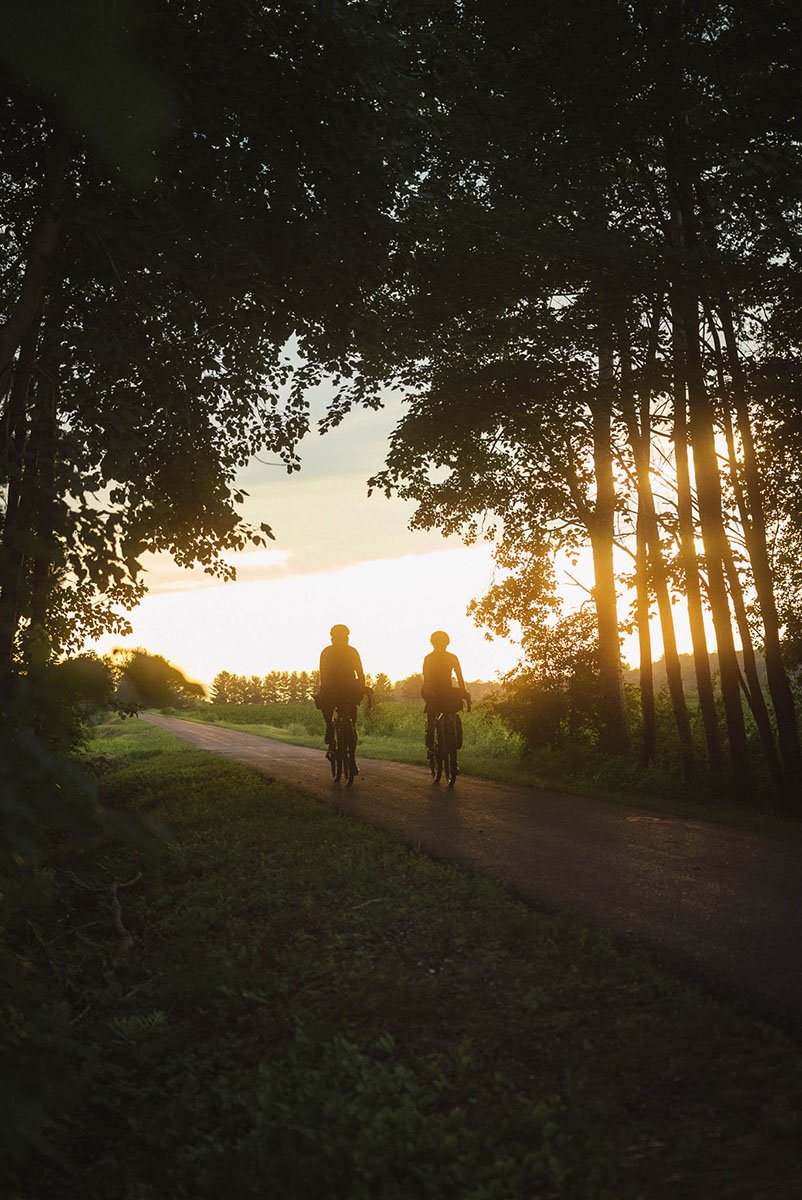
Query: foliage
{"points": [[44, 717], [409, 688], [145, 680], [86, 57], [172, 331], [382, 687], [553, 697]]}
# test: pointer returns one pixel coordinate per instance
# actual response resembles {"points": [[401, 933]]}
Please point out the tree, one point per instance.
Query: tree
{"points": [[143, 328], [149, 681], [554, 694], [222, 688], [382, 688], [409, 688], [606, 174]]}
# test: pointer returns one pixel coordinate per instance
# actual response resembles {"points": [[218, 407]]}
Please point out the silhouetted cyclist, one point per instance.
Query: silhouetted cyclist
{"points": [[342, 679], [438, 691]]}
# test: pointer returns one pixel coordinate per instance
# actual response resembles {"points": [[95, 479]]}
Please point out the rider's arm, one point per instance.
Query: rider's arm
{"points": [[322, 672], [360, 674], [458, 673]]}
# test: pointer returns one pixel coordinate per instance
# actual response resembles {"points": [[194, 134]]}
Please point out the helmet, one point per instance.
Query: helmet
{"points": [[339, 631], [439, 639]]}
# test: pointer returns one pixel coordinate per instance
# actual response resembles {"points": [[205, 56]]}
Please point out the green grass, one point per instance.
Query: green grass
{"points": [[395, 732], [313, 1010]]}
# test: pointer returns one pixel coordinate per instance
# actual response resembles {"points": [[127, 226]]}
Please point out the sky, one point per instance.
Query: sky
{"points": [[338, 556]]}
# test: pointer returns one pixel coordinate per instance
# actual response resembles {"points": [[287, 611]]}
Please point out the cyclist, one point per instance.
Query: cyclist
{"points": [[438, 692], [342, 679]]}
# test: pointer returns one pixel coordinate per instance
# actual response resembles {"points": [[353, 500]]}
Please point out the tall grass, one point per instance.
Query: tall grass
{"points": [[400, 723]]}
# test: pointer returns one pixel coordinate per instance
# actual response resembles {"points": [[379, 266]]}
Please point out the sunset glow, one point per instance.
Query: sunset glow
{"points": [[282, 622]]}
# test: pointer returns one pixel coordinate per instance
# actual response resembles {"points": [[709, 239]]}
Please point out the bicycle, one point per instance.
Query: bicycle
{"points": [[342, 754], [444, 757]]}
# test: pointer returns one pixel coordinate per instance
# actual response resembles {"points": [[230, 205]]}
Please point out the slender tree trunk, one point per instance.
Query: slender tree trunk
{"points": [[15, 530], [41, 245], [779, 687], [646, 672], [639, 438], [714, 537], [753, 689], [42, 490], [754, 521], [688, 556], [615, 731]]}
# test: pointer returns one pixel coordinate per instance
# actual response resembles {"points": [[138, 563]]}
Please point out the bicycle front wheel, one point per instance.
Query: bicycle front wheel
{"points": [[338, 762], [450, 751], [439, 750], [349, 751]]}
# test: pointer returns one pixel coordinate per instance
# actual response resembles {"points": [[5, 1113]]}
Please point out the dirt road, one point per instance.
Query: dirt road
{"points": [[717, 905]]}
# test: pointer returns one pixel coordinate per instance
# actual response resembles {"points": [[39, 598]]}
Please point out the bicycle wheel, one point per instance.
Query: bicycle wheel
{"points": [[450, 750], [349, 750], [437, 765], [339, 760], [331, 753]]}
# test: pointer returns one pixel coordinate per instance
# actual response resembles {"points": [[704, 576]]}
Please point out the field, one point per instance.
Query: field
{"points": [[311, 1009], [395, 731]]}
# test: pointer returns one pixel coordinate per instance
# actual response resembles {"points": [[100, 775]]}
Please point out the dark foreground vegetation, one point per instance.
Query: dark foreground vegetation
{"points": [[287, 1003]]}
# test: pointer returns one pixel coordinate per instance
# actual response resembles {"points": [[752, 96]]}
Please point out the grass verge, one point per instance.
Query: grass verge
{"points": [[311, 1009]]}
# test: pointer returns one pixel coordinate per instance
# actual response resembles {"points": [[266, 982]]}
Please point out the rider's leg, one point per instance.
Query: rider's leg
{"points": [[458, 729], [430, 724], [328, 712]]}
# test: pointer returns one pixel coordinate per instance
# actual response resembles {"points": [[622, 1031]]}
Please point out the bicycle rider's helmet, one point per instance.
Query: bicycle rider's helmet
{"points": [[339, 630], [439, 639]]}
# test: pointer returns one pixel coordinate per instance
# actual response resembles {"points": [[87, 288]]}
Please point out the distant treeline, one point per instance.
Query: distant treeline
{"points": [[282, 687], [288, 687]]}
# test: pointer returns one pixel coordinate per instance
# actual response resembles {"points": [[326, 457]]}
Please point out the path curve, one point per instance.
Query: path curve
{"points": [[720, 906]]}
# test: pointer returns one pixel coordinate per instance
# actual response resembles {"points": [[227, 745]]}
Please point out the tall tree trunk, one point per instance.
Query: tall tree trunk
{"points": [[41, 245], [15, 530], [646, 672], [640, 441], [42, 490], [690, 569], [756, 543], [615, 730], [714, 538], [753, 689]]}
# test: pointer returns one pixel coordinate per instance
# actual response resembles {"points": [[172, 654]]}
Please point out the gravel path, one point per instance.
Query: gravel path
{"points": [[720, 906]]}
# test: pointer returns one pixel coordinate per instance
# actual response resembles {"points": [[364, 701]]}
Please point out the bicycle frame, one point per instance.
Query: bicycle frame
{"points": [[445, 748], [343, 756]]}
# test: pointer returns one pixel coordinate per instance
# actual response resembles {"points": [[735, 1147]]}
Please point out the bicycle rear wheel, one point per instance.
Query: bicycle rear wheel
{"points": [[450, 751], [439, 740]]}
